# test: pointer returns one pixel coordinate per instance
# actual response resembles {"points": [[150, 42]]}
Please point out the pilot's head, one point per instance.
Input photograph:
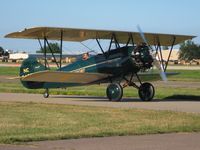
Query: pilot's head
{"points": [[85, 56]]}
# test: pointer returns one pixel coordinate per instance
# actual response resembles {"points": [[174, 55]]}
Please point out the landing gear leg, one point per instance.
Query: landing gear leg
{"points": [[146, 90], [46, 93]]}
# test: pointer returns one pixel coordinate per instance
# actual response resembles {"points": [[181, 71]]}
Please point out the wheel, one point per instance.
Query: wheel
{"points": [[146, 92], [46, 93], [114, 92]]}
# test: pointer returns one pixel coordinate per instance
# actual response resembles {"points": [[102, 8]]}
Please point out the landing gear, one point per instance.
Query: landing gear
{"points": [[46, 93], [114, 92], [146, 92]]}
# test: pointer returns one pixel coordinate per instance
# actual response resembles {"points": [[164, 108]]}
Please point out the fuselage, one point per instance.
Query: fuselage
{"points": [[116, 63], [113, 62]]}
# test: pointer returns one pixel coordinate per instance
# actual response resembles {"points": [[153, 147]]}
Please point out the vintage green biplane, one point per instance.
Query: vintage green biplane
{"points": [[127, 64]]}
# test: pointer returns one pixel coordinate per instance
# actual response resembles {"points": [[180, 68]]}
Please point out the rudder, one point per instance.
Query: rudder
{"points": [[31, 65]]}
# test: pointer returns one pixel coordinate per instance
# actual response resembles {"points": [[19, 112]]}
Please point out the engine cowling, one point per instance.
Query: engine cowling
{"points": [[142, 57]]}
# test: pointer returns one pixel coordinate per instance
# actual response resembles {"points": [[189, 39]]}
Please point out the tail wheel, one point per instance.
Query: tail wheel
{"points": [[114, 92], [146, 92], [46, 93]]}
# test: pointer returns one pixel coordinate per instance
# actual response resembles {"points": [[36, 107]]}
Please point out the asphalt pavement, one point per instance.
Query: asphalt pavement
{"points": [[179, 141], [191, 106]]}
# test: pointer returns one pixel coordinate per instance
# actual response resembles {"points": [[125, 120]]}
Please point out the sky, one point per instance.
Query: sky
{"points": [[159, 16]]}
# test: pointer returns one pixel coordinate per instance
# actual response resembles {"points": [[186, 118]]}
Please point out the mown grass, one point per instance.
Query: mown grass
{"points": [[10, 71], [23, 122], [185, 75]]}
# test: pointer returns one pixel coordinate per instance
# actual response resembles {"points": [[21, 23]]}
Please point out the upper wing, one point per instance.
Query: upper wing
{"points": [[64, 77], [72, 34]]}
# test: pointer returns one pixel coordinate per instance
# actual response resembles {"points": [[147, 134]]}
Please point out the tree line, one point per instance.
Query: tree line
{"points": [[189, 51], [54, 47]]}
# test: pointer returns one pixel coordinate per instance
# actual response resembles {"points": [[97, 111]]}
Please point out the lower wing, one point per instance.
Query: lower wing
{"points": [[64, 77]]}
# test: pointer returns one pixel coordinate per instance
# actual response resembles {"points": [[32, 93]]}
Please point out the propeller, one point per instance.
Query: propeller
{"points": [[156, 61]]}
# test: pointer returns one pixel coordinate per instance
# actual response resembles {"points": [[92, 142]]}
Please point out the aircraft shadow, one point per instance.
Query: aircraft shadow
{"points": [[175, 98], [182, 98], [94, 98], [83, 98]]}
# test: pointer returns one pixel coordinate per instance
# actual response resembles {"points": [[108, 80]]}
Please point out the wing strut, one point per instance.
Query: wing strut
{"points": [[61, 47], [130, 39], [46, 44], [160, 55], [45, 54], [113, 40], [100, 46], [51, 52], [172, 46]]}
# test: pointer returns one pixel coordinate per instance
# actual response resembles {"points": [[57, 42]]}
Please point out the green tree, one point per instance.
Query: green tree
{"points": [[52, 46], [189, 51]]}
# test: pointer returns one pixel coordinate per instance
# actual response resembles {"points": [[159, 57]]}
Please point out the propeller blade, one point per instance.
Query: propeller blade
{"points": [[163, 76], [156, 62], [142, 35], [161, 69]]}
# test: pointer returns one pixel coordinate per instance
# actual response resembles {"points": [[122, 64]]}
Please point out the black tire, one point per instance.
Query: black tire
{"points": [[46, 93], [146, 92], [114, 92]]}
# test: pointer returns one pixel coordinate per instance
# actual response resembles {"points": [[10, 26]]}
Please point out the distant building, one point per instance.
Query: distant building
{"points": [[18, 56], [174, 55]]}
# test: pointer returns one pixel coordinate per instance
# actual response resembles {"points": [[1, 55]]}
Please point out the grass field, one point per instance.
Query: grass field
{"points": [[186, 75], [10, 71], [23, 122]]}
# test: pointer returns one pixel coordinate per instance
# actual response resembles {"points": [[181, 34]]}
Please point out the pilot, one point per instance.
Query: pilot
{"points": [[85, 56]]}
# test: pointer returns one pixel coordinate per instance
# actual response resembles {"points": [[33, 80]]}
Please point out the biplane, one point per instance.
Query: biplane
{"points": [[127, 61]]}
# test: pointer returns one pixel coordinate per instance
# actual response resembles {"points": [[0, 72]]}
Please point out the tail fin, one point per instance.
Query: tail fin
{"points": [[31, 65]]}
